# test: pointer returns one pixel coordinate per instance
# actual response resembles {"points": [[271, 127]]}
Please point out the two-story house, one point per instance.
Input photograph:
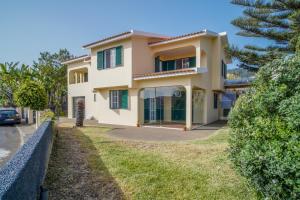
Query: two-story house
{"points": [[137, 78]]}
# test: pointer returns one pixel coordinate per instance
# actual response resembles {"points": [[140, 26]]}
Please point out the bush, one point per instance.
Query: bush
{"points": [[31, 94], [265, 131], [47, 114]]}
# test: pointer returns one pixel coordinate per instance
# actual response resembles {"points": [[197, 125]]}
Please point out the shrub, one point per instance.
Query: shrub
{"points": [[31, 94], [47, 114], [265, 131]]}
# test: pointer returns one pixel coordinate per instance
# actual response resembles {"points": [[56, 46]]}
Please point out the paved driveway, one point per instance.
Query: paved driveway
{"points": [[11, 139]]}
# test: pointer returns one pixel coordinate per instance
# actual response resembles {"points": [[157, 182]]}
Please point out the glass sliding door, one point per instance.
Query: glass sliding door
{"points": [[178, 106], [163, 105]]}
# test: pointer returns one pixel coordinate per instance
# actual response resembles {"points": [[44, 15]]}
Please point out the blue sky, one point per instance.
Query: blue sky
{"points": [[31, 26]]}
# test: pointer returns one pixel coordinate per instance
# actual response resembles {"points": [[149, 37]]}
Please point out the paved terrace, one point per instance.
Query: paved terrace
{"points": [[154, 133]]}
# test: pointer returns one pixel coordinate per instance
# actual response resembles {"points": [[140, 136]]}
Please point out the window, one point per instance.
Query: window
{"points": [[95, 97], [118, 99], [223, 70], [185, 63], [86, 78], [109, 58], [178, 63], [215, 100]]}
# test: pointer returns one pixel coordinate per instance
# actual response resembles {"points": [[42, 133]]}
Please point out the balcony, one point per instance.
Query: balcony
{"points": [[176, 62], [239, 78], [78, 76]]}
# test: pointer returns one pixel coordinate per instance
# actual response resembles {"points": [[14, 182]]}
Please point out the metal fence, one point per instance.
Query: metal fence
{"points": [[23, 176]]}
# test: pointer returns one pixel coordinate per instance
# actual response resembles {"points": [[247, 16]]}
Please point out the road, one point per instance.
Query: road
{"points": [[10, 142], [11, 139]]}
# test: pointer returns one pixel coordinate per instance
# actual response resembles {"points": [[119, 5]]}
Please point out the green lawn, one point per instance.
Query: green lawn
{"points": [[152, 170]]}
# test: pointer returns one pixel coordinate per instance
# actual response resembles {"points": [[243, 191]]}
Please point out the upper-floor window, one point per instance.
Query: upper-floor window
{"points": [[180, 63], [223, 70], [85, 77], [109, 58]]}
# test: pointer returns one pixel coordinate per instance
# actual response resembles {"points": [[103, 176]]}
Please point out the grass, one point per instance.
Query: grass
{"points": [[152, 170]]}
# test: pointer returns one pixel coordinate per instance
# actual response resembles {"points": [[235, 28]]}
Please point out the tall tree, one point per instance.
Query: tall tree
{"points": [[53, 75], [275, 20]]}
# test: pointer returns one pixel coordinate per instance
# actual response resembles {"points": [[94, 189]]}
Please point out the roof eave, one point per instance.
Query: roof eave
{"points": [[81, 58], [92, 45], [126, 35], [205, 33]]}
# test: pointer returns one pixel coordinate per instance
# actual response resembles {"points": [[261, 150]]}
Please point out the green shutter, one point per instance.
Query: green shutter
{"points": [[192, 61], [124, 99], [157, 63], [119, 55], [100, 59]]}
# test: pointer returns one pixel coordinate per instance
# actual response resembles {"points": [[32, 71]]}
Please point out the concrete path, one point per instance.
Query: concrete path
{"points": [[154, 133], [11, 139]]}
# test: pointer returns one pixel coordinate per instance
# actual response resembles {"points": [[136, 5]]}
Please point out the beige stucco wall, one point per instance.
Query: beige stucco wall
{"points": [[112, 77], [142, 56], [118, 116]]}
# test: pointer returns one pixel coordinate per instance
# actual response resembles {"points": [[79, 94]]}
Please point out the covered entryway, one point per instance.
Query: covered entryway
{"points": [[75, 105]]}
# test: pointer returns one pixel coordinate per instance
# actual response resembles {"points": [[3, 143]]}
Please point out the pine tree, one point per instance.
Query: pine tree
{"points": [[275, 20]]}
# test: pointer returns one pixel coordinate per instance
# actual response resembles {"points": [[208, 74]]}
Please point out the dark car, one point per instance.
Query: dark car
{"points": [[9, 116]]}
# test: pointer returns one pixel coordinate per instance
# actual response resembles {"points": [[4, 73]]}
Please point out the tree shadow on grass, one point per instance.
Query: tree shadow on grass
{"points": [[76, 171]]}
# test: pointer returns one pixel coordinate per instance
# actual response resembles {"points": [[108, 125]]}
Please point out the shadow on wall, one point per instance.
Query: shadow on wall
{"points": [[76, 171]]}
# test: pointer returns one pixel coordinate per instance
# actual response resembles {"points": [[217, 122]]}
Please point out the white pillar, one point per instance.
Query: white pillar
{"points": [[189, 102], [198, 56], [75, 77]]}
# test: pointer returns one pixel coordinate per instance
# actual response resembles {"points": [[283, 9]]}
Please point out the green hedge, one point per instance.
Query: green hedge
{"points": [[265, 131]]}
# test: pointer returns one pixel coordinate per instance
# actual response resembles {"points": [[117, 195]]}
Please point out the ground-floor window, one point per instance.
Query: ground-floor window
{"points": [[163, 105], [216, 96], [118, 99]]}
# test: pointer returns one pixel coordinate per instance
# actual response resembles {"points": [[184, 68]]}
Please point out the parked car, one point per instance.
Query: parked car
{"points": [[9, 116]]}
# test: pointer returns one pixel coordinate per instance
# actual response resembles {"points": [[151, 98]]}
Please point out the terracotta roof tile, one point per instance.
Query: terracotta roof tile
{"points": [[108, 38], [78, 57], [180, 36]]}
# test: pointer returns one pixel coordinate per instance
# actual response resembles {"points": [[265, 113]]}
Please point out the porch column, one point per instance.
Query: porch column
{"points": [[75, 77], [81, 78], [198, 56], [189, 95]]}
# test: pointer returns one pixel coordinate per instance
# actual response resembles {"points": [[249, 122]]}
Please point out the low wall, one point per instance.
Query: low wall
{"points": [[23, 175]]}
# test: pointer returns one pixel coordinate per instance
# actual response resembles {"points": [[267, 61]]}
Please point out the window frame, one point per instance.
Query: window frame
{"points": [[110, 52], [115, 99], [223, 70], [184, 62]]}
